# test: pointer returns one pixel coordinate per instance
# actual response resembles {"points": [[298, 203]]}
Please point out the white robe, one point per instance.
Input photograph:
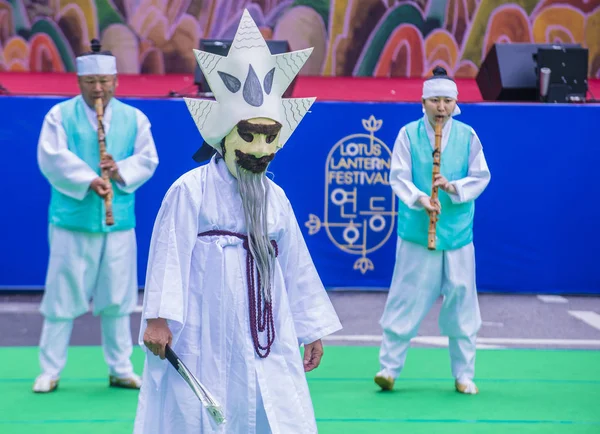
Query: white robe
{"points": [[199, 285], [70, 175], [467, 189], [421, 276]]}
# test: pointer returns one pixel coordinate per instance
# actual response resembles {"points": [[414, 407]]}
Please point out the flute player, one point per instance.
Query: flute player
{"points": [[422, 275], [88, 258]]}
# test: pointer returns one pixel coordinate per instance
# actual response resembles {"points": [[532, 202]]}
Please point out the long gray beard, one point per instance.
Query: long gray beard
{"points": [[254, 190]]}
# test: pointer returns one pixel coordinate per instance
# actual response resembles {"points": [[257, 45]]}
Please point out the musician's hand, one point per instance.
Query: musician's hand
{"points": [[157, 336], [443, 183], [312, 355], [430, 205], [101, 187], [110, 164]]}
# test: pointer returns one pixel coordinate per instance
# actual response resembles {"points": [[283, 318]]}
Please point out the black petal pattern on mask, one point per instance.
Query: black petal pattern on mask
{"points": [[253, 93], [232, 83]]}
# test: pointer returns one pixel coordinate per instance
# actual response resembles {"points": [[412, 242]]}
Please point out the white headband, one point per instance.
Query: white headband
{"points": [[96, 64], [441, 87]]}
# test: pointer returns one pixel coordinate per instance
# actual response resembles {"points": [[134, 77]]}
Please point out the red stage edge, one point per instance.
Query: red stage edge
{"points": [[364, 89]]}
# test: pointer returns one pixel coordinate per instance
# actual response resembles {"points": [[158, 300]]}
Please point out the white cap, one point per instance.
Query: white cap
{"points": [[96, 62]]}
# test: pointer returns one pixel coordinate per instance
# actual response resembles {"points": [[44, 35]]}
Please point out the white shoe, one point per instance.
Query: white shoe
{"points": [[466, 386], [384, 380], [45, 383], [132, 381]]}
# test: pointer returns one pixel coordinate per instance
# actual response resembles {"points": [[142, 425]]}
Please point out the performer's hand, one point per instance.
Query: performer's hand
{"points": [[110, 164], [430, 205], [157, 336], [443, 183], [101, 187], [312, 355]]}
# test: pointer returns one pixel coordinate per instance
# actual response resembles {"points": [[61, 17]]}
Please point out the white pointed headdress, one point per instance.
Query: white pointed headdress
{"points": [[248, 83]]}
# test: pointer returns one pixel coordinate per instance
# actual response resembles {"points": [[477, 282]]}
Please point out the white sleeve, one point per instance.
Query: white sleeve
{"points": [[312, 312], [169, 263], [478, 177], [170, 256], [139, 168], [401, 178], [65, 171]]}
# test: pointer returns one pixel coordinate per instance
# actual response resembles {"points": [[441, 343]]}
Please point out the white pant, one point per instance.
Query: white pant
{"points": [[116, 344], [85, 266], [420, 277]]}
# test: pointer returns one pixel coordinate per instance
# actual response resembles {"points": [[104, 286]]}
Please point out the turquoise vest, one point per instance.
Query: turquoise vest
{"points": [[455, 225], [88, 215]]}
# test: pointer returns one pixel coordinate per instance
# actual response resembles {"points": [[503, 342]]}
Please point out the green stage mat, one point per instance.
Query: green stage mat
{"points": [[525, 391]]}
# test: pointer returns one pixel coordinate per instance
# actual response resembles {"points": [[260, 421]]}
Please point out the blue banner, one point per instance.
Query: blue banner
{"points": [[534, 225]]}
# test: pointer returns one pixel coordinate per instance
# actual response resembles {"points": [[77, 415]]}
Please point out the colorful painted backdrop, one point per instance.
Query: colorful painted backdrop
{"points": [[350, 37]]}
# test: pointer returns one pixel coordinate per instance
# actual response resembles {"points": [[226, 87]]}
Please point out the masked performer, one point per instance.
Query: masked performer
{"points": [[231, 286]]}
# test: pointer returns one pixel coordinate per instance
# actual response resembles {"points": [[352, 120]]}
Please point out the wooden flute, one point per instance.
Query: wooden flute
{"points": [[110, 220], [437, 161]]}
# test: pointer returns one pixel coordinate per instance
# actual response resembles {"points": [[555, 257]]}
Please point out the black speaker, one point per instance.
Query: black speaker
{"points": [[508, 72], [222, 46], [567, 70]]}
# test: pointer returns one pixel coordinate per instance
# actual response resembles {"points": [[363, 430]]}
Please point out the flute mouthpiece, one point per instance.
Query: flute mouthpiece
{"points": [[99, 105]]}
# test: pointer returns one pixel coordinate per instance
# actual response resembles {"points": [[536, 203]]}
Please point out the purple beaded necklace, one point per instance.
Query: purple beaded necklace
{"points": [[261, 317]]}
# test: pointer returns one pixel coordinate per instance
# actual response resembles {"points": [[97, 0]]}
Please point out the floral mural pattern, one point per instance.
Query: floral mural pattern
{"points": [[350, 37]]}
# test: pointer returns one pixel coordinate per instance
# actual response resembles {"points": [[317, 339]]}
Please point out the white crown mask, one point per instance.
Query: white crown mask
{"points": [[248, 83]]}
